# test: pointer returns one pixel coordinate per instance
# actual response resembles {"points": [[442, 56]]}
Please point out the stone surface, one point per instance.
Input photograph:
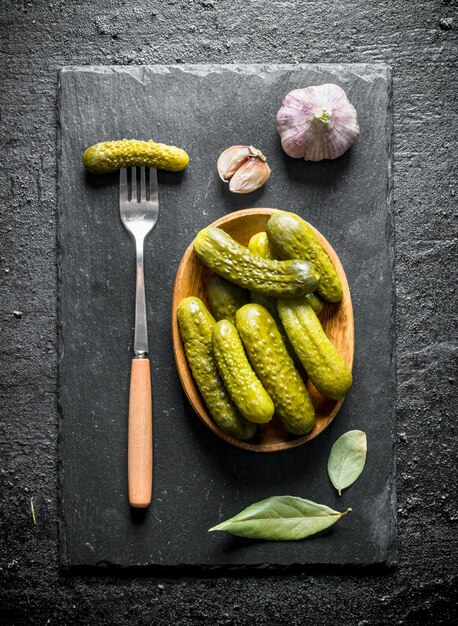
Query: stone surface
{"points": [[38, 38], [200, 480]]}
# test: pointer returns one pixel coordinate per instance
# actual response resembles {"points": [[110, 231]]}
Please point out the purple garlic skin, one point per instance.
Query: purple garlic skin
{"points": [[317, 123]]}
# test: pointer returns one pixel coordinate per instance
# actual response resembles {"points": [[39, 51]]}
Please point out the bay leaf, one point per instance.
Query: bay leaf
{"points": [[281, 518], [347, 459]]}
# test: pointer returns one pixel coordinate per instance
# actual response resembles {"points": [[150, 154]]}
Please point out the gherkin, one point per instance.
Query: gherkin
{"points": [[259, 245], [325, 366], [244, 387], [196, 327], [275, 368], [109, 156], [225, 298], [291, 237], [229, 259]]}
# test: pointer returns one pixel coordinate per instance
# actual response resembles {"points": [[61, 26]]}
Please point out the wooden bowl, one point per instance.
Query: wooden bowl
{"points": [[191, 280]]}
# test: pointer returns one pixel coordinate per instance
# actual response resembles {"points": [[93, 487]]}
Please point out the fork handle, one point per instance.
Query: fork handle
{"points": [[140, 435]]}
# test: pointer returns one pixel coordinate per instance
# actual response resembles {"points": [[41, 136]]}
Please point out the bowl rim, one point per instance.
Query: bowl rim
{"points": [[184, 373]]}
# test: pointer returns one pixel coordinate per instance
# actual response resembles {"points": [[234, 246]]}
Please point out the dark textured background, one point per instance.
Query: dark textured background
{"points": [[419, 40]]}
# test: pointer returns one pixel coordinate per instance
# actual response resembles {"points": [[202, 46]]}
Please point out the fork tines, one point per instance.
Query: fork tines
{"points": [[129, 187]]}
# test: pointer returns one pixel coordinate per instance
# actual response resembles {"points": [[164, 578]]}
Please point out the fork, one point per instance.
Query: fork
{"points": [[139, 212]]}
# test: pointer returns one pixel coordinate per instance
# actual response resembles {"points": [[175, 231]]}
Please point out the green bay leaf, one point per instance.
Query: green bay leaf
{"points": [[281, 518], [347, 459]]}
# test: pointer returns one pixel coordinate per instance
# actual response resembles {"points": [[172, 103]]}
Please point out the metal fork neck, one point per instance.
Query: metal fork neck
{"points": [[141, 334]]}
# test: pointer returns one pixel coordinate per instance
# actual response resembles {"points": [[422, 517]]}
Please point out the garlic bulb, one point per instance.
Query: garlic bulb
{"points": [[244, 167], [317, 123]]}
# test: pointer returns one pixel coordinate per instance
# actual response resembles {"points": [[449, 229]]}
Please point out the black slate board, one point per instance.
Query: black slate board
{"points": [[199, 479]]}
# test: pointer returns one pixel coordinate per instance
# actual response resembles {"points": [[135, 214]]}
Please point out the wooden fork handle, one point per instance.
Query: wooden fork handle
{"points": [[140, 435]]}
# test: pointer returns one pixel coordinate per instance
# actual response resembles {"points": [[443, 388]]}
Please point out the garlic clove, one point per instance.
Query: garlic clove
{"points": [[231, 159], [250, 176], [245, 167], [317, 122]]}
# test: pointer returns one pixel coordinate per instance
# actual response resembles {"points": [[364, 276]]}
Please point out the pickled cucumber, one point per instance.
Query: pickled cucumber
{"points": [[320, 358], [109, 156], [225, 298], [229, 259], [291, 237], [244, 387], [259, 244], [315, 302], [275, 368], [196, 327]]}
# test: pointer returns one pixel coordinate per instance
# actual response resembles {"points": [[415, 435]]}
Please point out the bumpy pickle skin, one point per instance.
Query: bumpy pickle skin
{"points": [[322, 362], [244, 387], [259, 245], [108, 156], [275, 368], [196, 328], [229, 259], [291, 237], [225, 298]]}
